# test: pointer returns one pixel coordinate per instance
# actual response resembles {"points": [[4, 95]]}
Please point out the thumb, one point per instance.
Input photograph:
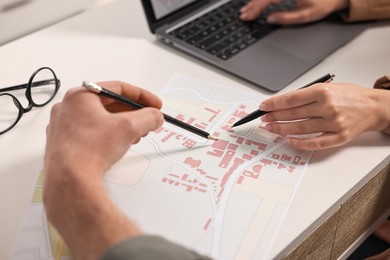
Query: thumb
{"points": [[297, 16]]}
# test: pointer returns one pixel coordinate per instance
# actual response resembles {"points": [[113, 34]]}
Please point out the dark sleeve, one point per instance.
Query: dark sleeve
{"points": [[364, 10], [150, 247], [383, 83]]}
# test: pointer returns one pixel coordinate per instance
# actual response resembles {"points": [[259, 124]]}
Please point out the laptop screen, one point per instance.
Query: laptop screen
{"points": [[163, 8]]}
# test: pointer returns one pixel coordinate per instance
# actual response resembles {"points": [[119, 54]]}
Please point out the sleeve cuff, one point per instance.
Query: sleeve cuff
{"points": [[150, 247], [383, 83]]}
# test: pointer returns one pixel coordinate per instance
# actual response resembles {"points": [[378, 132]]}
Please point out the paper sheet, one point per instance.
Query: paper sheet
{"points": [[224, 198]]}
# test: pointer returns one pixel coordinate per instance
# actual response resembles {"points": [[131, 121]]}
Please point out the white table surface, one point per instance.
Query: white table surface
{"points": [[113, 43]]}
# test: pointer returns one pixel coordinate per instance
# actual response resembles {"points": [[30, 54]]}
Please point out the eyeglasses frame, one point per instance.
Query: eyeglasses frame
{"points": [[28, 94]]}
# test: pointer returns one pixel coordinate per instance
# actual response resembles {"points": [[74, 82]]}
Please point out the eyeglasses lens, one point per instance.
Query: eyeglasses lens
{"points": [[43, 87], [9, 112]]}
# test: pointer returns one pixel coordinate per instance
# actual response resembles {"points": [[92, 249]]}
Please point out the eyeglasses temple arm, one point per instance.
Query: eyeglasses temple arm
{"points": [[34, 84]]}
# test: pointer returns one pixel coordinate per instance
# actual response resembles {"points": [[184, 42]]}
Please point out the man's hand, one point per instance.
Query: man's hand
{"points": [[93, 132], [306, 11], [86, 135]]}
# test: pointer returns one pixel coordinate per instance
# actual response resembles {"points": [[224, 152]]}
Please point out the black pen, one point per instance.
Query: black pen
{"points": [[105, 92], [258, 113]]}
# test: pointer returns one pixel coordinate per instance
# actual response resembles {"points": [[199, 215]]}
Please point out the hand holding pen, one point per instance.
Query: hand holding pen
{"points": [[258, 113], [107, 93], [325, 115]]}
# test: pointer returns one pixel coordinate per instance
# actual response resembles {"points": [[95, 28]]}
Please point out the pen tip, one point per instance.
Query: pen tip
{"points": [[211, 137]]}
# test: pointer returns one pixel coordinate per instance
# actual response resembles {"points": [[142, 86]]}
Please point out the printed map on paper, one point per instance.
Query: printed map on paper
{"points": [[224, 198]]}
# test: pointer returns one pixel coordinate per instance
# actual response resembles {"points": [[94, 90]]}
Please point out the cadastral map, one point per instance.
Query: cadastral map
{"points": [[224, 198]]}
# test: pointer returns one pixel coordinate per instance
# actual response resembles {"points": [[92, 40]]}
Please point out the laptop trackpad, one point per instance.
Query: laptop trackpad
{"points": [[311, 42]]}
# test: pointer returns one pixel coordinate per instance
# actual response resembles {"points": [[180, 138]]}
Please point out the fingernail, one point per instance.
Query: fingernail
{"points": [[269, 127], [263, 107], [271, 19], [265, 118], [243, 16]]}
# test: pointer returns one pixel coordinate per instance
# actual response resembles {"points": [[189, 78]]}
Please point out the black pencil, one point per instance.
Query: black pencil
{"points": [[105, 92], [258, 113]]}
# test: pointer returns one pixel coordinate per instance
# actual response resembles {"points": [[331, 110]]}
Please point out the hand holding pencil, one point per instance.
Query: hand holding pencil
{"points": [[258, 113], [335, 113], [112, 95], [324, 115]]}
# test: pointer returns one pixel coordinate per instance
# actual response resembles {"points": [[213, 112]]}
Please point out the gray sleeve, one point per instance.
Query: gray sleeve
{"points": [[150, 247]]}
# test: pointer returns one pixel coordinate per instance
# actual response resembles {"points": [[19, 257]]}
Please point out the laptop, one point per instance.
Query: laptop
{"points": [[267, 55]]}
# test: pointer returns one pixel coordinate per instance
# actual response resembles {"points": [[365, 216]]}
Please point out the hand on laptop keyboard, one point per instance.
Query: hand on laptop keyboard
{"points": [[221, 32], [305, 11]]}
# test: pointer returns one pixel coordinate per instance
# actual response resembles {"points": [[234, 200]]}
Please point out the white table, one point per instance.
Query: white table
{"points": [[113, 42]]}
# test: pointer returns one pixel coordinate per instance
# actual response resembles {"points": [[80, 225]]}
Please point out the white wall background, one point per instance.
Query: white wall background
{"points": [[20, 17]]}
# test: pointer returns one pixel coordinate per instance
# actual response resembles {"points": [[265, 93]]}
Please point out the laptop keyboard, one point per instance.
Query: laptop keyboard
{"points": [[221, 33]]}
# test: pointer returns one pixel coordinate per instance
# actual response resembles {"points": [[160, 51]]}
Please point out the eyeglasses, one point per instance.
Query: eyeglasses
{"points": [[40, 90]]}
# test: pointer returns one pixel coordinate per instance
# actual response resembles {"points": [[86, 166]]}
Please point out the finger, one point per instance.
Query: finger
{"points": [[139, 123], [303, 127], [324, 141], [131, 92], [254, 8], [294, 98], [137, 140], [312, 110], [298, 16]]}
